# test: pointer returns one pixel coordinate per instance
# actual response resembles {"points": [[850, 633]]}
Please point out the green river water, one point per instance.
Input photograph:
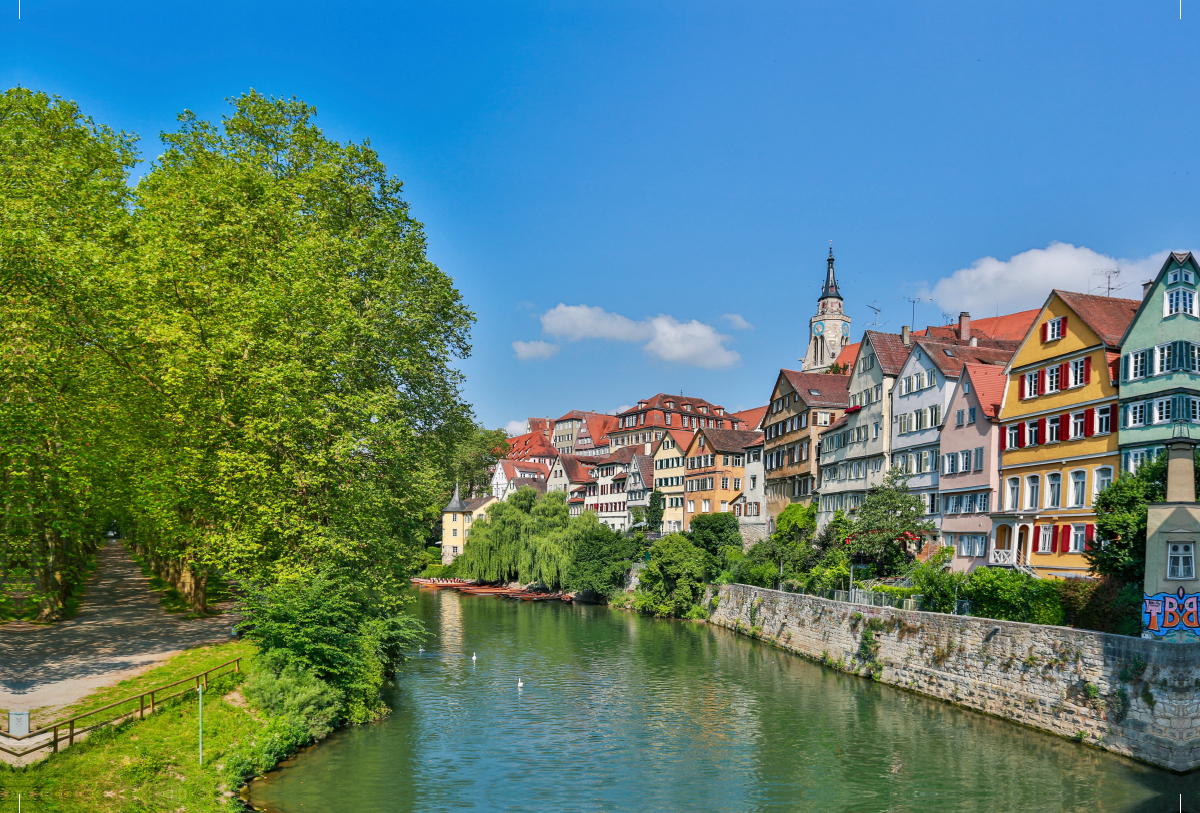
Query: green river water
{"points": [[621, 712]]}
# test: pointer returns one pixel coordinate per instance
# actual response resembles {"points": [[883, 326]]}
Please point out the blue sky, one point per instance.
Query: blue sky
{"points": [[672, 173]]}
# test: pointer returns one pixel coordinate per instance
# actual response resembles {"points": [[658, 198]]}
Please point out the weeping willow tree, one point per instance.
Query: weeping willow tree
{"points": [[534, 539]]}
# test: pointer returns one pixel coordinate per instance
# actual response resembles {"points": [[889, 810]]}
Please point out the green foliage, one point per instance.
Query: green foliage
{"points": [[796, 522], [600, 557], [713, 532], [1104, 605], [282, 687], [1121, 511], [654, 513], [672, 584], [1003, 593], [889, 523], [938, 586], [338, 630]]}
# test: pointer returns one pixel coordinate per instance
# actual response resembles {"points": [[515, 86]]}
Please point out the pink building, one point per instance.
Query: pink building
{"points": [[969, 484]]}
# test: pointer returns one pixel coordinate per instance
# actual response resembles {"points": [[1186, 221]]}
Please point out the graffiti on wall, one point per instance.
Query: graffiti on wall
{"points": [[1171, 612]]}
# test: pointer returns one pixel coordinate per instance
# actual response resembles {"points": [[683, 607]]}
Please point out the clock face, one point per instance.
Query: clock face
{"points": [[845, 329], [818, 328]]}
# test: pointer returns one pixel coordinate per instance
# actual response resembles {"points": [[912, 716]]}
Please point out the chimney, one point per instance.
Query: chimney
{"points": [[964, 326], [1146, 286], [1181, 472], [904, 337]]}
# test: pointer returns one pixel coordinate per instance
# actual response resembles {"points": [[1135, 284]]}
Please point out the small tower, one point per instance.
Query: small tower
{"points": [[829, 327]]}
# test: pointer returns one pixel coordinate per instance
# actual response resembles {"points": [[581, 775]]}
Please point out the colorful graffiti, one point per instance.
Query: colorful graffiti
{"points": [[1171, 612]]}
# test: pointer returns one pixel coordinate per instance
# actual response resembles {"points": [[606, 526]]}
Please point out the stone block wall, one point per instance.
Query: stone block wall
{"points": [[1136, 697]]}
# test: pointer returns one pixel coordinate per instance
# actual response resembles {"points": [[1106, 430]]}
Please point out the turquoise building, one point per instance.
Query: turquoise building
{"points": [[1160, 364]]}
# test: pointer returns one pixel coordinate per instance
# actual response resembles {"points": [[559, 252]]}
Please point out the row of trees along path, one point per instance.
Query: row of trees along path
{"points": [[120, 630]]}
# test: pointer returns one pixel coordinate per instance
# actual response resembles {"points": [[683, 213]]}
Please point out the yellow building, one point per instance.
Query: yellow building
{"points": [[1059, 433], [457, 518], [714, 470], [669, 478]]}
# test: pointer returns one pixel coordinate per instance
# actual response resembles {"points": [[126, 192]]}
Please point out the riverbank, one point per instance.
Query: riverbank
{"points": [[1131, 696], [150, 764]]}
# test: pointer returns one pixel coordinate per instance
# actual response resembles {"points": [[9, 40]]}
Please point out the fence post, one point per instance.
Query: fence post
{"points": [[206, 681], [237, 665], [71, 735], [151, 702], [56, 739], [142, 707]]}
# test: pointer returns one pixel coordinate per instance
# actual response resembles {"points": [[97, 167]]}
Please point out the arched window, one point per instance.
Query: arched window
{"points": [[1078, 495], [1033, 491]]}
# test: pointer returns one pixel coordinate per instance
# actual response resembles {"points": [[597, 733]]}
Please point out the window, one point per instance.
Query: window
{"points": [[971, 415], [978, 458], [1054, 491], [1053, 432], [878, 390], [1014, 494], [960, 417], [1136, 364], [1135, 458], [706, 505], [968, 503], [1014, 436], [1046, 532], [454, 531], [966, 460], [950, 463], [1033, 492], [1103, 421], [724, 506], [753, 481], [1078, 489], [964, 545], [1031, 384], [1135, 415], [1103, 479], [1078, 537], [1181, 564], [1052, 379], [454, 550], [822, 419], [1054, 329], [1077, 373], [902, 422], [1180, 300], [1162, 410], [691, 506], [724, 483], [985, 497], [1031, 433]]}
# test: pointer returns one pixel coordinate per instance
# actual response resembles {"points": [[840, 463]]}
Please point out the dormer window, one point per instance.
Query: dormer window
{"points": [[670, 404], [1184, 274], [704, 409], [687, 407]]}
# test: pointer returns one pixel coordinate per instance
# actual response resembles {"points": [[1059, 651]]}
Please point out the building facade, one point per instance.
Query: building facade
{"points": [[669, 477], [457, 518], [715, 468], [802, 405], [969, 480], [1160, 364], [1059, 440], [751, 506]]}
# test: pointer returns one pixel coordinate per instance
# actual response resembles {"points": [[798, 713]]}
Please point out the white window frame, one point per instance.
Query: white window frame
{"points": [[1013, 497], [1078, 539], [1186, 568], [1097, 478], [1054, 329], [1033, 492], [1045, 533], [1053, 479], [1076, 373], [1031, 384], [1072, 479]]}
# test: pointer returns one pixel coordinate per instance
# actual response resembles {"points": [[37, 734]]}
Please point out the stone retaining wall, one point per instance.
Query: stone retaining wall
{"points": [[1133, 696]]}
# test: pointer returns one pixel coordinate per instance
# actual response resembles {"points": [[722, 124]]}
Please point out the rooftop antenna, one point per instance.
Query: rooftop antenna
{"points": [[873, 306], [1109, 275], [947, 318], [914, 300]]}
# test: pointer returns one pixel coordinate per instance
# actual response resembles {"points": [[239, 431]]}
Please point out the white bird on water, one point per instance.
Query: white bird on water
{"points": [[472, 657], [520, 684]]}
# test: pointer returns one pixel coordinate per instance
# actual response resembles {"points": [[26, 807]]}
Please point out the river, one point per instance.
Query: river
{"points": [[621, 712]]}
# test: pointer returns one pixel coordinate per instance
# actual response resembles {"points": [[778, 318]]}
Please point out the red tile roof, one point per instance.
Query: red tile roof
{"points": [[988, 381], [847, 356], [831, 390], [1009, 327], [751, 417], [543, 425], [598, 426], [730, 440], [660, 401], [534, 444], [645, 465], [1107, 316], [1114, 366], [949, 358], [578, 469], [889, 349], [836, 424]]}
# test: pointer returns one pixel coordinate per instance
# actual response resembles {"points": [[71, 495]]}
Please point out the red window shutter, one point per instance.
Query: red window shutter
{"points": [[1088, 535], [1042, 430], [1062, 331], [1021, 386], [1087, 370], [1089, 422], [1003, 438], [1064, 426], [1112, 418], [1063, 372], [1045, 331], [1054, 538], [1021, 431], [1041, 382]]}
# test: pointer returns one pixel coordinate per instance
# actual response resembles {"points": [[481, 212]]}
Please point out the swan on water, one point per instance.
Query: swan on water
{"points": [[520, 683], [472, 657]]}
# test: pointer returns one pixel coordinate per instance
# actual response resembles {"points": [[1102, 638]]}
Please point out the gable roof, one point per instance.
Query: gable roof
{"points": [[534, 444], [751, 417], [730, 440], [1010, 327], [1181, 258], [682, 438], [660, 400], [516, 469], [949, 358], [848, 354], [988, 381], [1107, 316], [576, 468], [575, 415], [836, 424], [645, 467], [598, 426], [475, 503], [889, 349], [831, 390]]}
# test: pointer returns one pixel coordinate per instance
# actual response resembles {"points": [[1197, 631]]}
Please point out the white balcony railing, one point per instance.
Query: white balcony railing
{"points": [[1002, 557]]}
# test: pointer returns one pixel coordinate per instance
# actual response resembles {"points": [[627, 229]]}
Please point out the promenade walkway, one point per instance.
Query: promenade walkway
{"points": [[121, 630]]}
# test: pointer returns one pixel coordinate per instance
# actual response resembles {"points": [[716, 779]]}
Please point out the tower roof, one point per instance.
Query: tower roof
{"points": [[456, 504], [830, 289]]}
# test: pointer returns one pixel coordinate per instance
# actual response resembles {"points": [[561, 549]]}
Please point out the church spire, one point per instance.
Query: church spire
{"points": [[830, 289]]}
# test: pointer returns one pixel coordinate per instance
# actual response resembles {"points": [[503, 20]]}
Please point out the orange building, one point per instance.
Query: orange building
{"points": [[715, 470]]}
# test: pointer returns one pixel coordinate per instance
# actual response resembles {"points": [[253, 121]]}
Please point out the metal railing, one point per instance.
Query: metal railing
{"points": [[65, 731], [870, 598]]}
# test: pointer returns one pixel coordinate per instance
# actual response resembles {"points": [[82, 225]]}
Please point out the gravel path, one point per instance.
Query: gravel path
{"points": [[121, 630]]}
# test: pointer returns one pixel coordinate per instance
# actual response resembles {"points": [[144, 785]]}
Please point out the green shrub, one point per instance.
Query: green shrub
{"points": [[673, 582], [282, 688], [1104, 605], [1010, 595], [281, 736]]}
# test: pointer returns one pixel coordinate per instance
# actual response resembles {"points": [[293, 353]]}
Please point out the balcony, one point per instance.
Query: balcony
{"points": [[1001, 557]]}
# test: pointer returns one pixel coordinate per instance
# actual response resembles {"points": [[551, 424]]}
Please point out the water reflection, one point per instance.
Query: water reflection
{"points": [[620, 712]]}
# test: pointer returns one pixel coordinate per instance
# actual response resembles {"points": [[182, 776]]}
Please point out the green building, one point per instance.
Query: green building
{"points": [[1160, 364]]}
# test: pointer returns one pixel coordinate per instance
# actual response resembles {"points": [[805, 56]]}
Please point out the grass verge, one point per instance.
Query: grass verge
{"points": [[150, 764]]}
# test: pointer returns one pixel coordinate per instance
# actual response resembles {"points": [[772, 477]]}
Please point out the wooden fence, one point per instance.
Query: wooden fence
{"points": [[65, 731]]}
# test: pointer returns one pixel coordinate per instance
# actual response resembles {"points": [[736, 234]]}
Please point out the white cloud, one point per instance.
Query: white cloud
{"points": [[514, 428], [534, 350], [737, 321], [662, 337], [1023, 281]]}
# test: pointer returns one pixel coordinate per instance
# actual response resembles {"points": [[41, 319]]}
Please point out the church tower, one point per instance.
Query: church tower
{"points": [[829, 328]]}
